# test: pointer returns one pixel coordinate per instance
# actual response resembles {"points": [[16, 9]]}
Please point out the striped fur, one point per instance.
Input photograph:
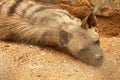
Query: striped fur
{"points": [[25, 8], [29, 22], [35, 14]]}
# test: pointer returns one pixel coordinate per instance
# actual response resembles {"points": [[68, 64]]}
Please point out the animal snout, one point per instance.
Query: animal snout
{"points": [[91, 56]]}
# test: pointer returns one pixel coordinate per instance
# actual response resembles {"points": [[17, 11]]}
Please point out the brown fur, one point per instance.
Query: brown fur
{"points": [[45, 25]]}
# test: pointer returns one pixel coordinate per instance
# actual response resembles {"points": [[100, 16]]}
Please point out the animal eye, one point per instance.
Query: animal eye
{"points": [[97, 42]]}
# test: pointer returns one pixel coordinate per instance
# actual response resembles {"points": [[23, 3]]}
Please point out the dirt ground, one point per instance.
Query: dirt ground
{"points": [[28, 62]]}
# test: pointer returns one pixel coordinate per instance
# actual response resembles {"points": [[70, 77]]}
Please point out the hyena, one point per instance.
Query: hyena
{"points": [[71, 2], [38, 24], [49, 1], [102, 8]]}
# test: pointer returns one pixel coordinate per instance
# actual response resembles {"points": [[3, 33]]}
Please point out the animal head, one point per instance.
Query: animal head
{"points": [[83, 42]]}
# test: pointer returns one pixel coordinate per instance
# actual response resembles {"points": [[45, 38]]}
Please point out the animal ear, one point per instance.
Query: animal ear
{"points": [[64, 38], [89, 22]]}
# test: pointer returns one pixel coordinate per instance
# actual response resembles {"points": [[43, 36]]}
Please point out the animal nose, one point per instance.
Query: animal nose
{"points": [[99, 57]]}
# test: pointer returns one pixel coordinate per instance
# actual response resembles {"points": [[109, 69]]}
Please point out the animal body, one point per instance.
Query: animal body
{"points": [[71, 2], [32, 23]]}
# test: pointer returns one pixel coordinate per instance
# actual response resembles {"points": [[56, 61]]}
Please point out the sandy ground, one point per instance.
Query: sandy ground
{"points": [[28, 62]]}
